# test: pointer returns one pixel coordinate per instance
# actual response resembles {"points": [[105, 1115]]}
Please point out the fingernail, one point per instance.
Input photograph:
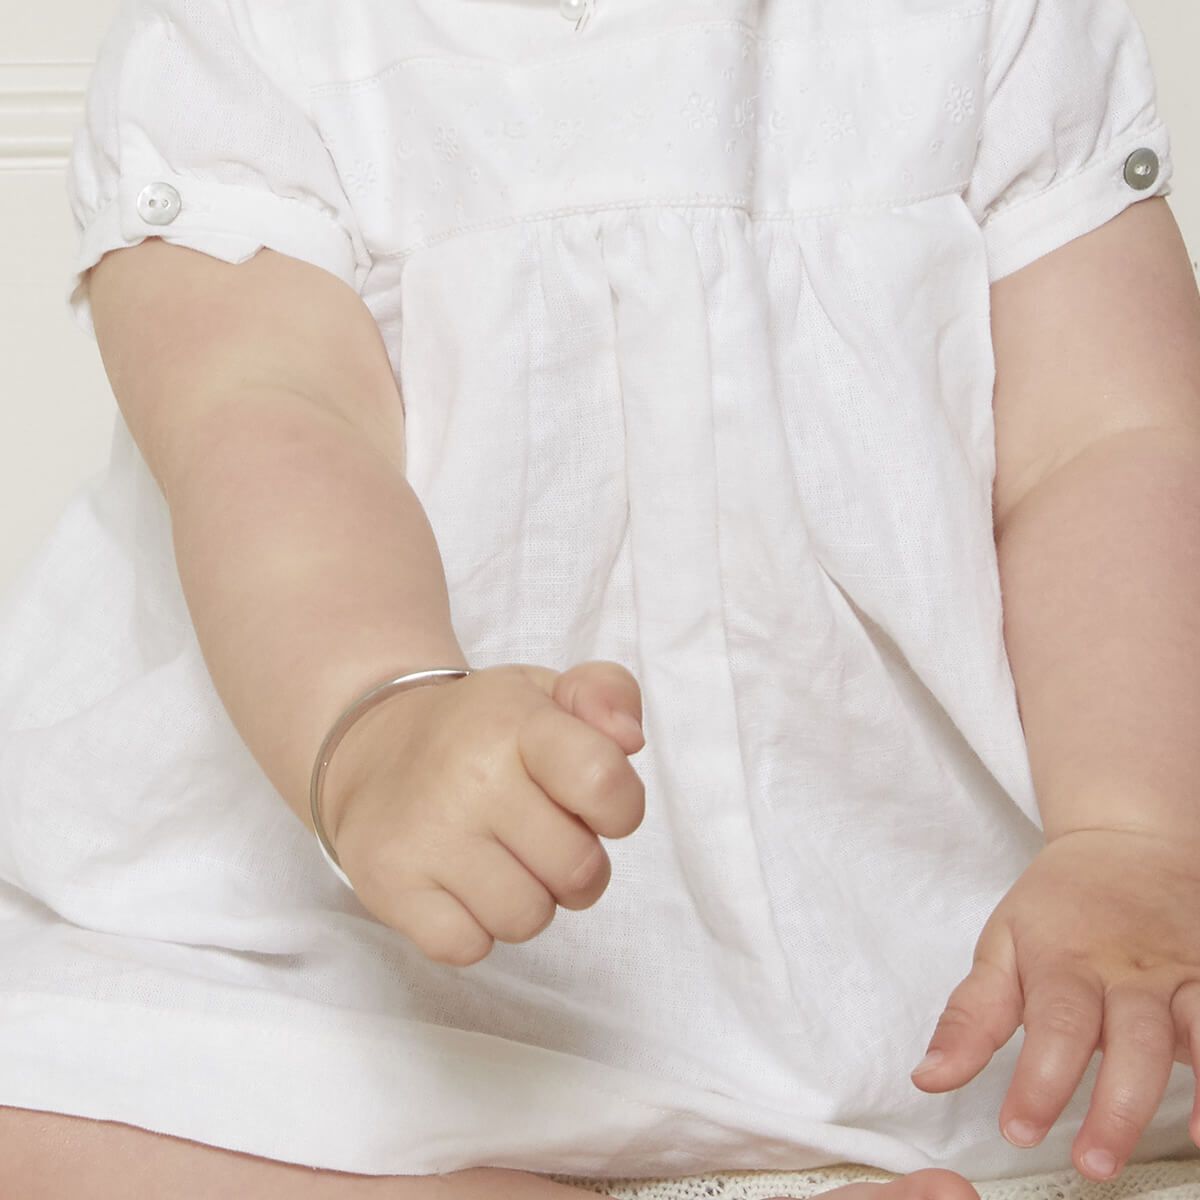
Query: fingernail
{"points": [[1100, 1162], [624, 723], [933, 1059], [1023, 1133]]}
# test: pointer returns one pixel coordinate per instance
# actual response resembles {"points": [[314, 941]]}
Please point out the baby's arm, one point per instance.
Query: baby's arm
{"points": [[1097, 503], [263, 401], [1097, 513]]}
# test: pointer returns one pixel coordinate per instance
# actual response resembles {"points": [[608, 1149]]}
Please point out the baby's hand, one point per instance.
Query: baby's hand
{"points": [[473, 808], [1098, 942]]}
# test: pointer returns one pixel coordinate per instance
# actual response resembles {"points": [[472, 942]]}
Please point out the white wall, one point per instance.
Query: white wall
{"points": [[1172, 28], [56, 409]]}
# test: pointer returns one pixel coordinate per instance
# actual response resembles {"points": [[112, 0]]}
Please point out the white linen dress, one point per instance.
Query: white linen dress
{"points": [[689, 311]]}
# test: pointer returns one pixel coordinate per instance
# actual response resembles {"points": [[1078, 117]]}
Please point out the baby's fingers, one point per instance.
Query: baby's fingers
{"points": [[1063, 1018], [583, 771], [1139, 1051], [606, 695], [1185, 1009], [982, 1013]]}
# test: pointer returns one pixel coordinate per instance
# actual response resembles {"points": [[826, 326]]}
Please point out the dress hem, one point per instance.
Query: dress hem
{"points": [[266, 1083]]}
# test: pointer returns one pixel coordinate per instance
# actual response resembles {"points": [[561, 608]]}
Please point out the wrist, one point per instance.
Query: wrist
{"points": [[375, 726], [1149, 830]]}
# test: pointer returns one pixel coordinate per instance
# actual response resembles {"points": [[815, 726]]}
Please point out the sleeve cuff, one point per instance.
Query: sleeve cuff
{"points": [[1031, 228], [228, 221]]}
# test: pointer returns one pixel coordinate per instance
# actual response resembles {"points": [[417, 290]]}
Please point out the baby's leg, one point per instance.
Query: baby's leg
{"points": [[52, 1156]]}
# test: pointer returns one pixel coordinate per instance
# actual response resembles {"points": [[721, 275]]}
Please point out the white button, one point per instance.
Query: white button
{"points": [[572, 10], [158, 204]]}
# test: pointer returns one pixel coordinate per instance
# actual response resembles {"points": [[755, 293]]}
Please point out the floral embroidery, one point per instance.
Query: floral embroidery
{"points": [[361, 177], [742, 123], [960, 104], [699, 111], [776, 122], [777, 126], [837, 125], [566, 132], [445, 141], [743, 114]]}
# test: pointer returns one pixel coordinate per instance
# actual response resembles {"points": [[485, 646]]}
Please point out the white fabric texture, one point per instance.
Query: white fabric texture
{"points": [[690, 315]]}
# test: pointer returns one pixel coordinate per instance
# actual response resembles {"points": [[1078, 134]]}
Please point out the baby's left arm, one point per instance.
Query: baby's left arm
{"points": [[1097, 520]]}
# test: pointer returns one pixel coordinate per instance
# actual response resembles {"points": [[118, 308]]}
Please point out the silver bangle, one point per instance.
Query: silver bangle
{"points": [[338, 731]]}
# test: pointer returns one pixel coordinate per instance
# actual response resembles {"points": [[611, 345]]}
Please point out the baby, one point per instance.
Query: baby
{"points": [[763, 435]]}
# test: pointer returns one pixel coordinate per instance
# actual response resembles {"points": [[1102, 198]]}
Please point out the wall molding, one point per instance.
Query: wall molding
{"points": [[41, 103]]}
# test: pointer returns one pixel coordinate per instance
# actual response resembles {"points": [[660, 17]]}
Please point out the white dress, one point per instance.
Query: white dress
{"points": [[689, 309]]}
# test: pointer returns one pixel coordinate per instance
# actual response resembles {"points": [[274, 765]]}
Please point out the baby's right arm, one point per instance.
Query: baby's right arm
{"points": [[263, 402]]}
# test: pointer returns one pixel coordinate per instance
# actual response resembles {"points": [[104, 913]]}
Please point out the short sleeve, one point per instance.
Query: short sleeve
{"points": [[195, 130], [1070, 96]]}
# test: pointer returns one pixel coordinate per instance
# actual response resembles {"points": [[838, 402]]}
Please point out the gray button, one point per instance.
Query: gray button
{"points": [[158, 204], [572, 10], [1141, 169]]}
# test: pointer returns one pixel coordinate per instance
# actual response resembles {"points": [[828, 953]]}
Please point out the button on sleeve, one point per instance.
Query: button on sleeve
{"points": [[158, 204], [195, 130], [1071, 132], [1142, 169]]}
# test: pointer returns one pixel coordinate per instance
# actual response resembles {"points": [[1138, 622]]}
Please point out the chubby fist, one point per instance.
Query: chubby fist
{"points": [[469, 810]]}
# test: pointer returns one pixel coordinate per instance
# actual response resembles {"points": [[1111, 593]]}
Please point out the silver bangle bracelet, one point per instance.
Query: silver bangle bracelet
{"points": [[338, 731]]}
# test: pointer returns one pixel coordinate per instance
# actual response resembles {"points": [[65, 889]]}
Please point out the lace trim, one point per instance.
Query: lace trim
{"points": [[1162, 1180]]}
